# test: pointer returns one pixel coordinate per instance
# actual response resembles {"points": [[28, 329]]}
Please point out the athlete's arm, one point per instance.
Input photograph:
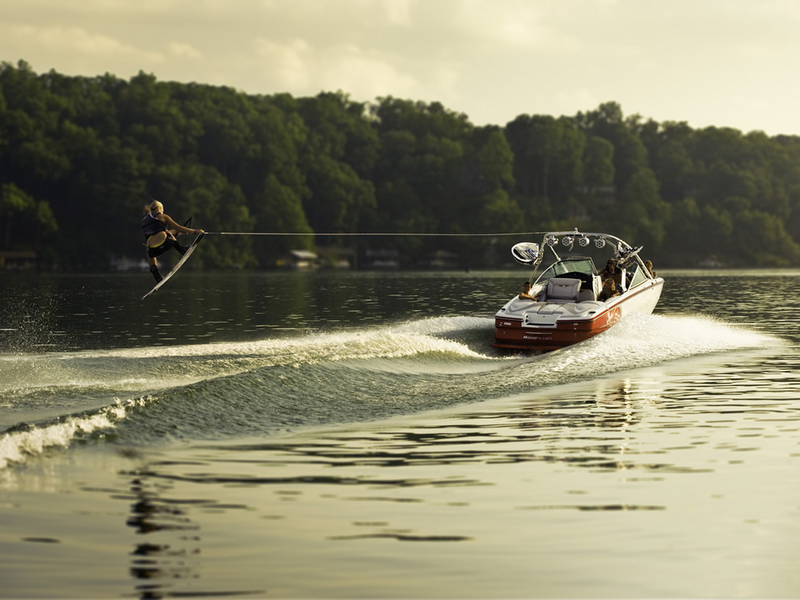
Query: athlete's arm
{"points": [[173, 225]]}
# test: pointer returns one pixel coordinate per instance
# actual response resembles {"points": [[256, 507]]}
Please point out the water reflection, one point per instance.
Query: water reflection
{"points": [[168, 555], [591, 428], [155, 560], [403, 538]]}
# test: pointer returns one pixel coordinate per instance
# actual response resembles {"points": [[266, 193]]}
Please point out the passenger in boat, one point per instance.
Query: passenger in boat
{"points": [[609, 290], [609, 269], [526, 291], [611, 272], [649, 265], [160, 235]]}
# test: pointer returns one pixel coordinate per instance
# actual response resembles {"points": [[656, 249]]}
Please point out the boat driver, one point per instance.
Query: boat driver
{"points": [[612, 272]]}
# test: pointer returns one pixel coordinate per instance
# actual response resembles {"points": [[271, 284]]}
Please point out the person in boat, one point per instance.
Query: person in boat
{"points": [[609, 290], [526, 291], [609, 269], [649, 265], [160, 232], [612, 272]]}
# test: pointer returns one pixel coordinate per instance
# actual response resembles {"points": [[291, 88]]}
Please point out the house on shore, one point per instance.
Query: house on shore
{"points": [[18, 260]]}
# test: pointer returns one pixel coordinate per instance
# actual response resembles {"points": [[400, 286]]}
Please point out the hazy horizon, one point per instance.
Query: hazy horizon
{"points": [[726, 63]]}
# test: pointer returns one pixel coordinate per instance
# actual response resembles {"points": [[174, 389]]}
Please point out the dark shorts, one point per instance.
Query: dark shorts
{"points": [[159, 250]]}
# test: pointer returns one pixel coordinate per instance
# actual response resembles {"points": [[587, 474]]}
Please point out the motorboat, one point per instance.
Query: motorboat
{"points": [[571, 301]]}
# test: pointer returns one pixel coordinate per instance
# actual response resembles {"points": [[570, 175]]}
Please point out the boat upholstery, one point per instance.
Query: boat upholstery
{"points": [[545, 314], [562, 290]]}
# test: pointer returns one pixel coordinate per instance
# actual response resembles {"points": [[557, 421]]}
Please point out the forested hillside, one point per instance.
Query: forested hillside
{"points": [[80, 157]]}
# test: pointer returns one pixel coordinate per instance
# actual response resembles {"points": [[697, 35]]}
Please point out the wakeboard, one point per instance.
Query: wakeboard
{"points": [[177, 266]]}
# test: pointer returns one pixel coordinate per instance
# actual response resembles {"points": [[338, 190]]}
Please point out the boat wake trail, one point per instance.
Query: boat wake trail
{"points": [[218, 391]]}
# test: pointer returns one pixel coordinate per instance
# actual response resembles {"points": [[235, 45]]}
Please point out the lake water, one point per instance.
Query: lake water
{"points": [[343, 435]]}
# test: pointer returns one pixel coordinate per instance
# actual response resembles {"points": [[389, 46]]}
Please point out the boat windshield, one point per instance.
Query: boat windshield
{"points": [[638, 277], [577, 265]]}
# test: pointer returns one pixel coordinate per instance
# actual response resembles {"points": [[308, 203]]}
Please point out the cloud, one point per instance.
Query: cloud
{"points": [[365, 73], [515, 23], [73, 46], [184, 50], [570, 103], [398, 12], [81, 41], [290, 63], [298, 66]]}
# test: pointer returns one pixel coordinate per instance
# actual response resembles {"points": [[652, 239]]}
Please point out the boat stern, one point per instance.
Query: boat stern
{"points": [[543, 326]]}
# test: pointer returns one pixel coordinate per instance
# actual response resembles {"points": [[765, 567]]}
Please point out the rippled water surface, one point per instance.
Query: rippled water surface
{"points": [[356, 435]]}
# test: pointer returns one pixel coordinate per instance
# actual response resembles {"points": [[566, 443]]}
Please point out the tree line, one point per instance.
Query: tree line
{"points": [[81, 156]]}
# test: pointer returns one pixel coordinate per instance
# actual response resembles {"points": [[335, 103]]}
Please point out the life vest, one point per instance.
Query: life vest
{"points": [[151, 226]]}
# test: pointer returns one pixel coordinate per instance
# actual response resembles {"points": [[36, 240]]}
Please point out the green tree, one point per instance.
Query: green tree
{"points": [[500, 213], [548, 155], [598, 163], [669, 147], [495, 162], [643, 216], [280, 209], [630, 153], [762, 239], [29, 220], [716, 227]]}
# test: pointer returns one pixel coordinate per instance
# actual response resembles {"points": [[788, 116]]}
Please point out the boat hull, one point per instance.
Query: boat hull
{"points": [[515, 330]]}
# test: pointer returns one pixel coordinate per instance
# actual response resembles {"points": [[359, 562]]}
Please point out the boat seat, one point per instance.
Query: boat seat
{"points": [[562, 290], [586, 294]]}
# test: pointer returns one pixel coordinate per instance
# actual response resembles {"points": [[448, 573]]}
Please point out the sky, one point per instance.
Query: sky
{"points": [[723, 63]]}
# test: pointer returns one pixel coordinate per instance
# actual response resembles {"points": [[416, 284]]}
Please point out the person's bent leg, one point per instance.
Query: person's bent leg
{"points": [[177, 245], [151, 258]]}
